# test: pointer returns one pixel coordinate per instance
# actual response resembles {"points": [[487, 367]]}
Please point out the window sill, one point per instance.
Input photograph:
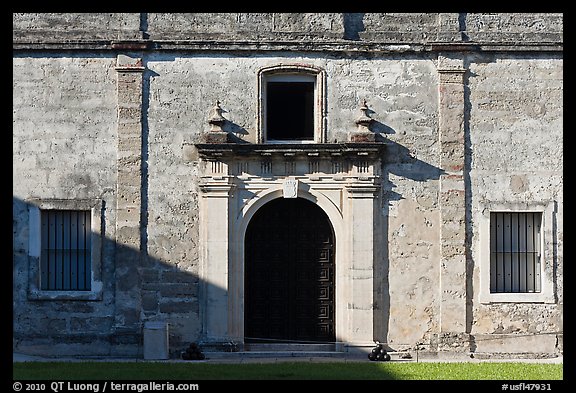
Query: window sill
{"points": [[516, 298], [289, 141], [65, 295]]}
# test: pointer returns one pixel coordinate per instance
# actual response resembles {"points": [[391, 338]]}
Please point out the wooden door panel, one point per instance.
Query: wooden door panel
{"points": [[289, 273]]}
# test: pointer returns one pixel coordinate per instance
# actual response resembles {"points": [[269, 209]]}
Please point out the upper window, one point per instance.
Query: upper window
{"points": [[290, 111], [515, 252], [291, 105]]}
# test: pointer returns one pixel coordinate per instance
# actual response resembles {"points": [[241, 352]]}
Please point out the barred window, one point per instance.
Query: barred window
{"points": [[515, 252], [65, 263]]}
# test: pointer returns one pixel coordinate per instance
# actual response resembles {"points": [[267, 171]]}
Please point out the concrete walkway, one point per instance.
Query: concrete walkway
{"points": [[269, 358]]}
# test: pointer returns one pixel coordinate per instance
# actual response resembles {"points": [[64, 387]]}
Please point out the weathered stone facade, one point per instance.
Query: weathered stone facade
{"points": [[464, 117]]}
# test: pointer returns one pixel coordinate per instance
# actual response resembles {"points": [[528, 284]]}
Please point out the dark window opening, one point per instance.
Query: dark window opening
{"points": [[65, 257], [515, 252], [290, 111]]}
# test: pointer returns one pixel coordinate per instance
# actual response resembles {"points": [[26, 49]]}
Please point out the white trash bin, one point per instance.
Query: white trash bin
{"points": [[156, 341]]}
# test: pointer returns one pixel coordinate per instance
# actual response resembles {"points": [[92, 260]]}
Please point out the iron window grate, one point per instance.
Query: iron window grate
{"points": [[515, 252], [65, 263]]}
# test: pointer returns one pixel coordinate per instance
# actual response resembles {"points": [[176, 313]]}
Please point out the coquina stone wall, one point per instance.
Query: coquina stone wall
{"points": [[64, 147], [516, 139], [470, 105]]}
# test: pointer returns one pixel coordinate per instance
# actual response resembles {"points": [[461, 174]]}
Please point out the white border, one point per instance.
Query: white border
{"points": [[293, 73], [35, 206], [546, 295]]}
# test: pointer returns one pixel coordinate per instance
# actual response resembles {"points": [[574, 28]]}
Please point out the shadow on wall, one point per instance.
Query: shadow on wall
{"points": [[402, 163], [353, 25], [136, 288]]}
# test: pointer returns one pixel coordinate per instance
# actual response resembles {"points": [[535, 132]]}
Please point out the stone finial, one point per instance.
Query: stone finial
{"points": [[363, 132], [364, 121], [216, 121]]}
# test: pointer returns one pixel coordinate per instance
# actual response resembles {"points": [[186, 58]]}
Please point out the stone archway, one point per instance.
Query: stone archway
{"points": [[342, 180], [289, 285]]}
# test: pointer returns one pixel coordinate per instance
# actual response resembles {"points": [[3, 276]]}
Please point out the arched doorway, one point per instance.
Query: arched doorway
{"points": [[289, 274]]}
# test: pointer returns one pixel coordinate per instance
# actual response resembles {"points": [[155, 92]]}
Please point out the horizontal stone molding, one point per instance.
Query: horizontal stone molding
{"points": [[214, 189], [263, 46], [369, 150], [360, 190], [451, 75]]}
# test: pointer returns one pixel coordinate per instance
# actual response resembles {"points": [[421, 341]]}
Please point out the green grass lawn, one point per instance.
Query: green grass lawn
{"points": [[285, 370]]}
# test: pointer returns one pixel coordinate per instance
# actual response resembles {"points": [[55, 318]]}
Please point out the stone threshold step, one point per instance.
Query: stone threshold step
{"points": [[297, 354], [272, 354], [263, 347]]}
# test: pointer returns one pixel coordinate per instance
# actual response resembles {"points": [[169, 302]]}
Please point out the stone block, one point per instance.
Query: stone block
{"points": [[179, 290], [92, 324], [128, 236], [450, 250], [130, 143], [308, 22], [150, 275], [131, 114], [189, 153], [127, 278], [179, 277], [215, 137], [150, 301], [515, 343], [362, 137], [178, 307], [57, 325], [156, 340]]}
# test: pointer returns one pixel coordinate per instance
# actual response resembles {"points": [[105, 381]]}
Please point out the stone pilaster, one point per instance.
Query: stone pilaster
{"points": [[452, 196], [128, 195], [360, 215], [216, 190]]}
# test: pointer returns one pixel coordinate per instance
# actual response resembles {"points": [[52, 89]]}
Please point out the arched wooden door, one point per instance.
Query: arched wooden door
{"points": [[289, 274]]}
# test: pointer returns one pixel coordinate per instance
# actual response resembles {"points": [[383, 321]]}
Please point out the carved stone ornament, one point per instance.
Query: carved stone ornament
{"points": [[364, 121], [290, 188], [216, 121], [363, 132]]}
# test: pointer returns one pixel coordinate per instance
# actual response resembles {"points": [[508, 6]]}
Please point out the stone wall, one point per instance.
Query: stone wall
{"points": [[402, 94], [516, 139], [278, 28], [74, 113], [53, 27], [64, 147]]}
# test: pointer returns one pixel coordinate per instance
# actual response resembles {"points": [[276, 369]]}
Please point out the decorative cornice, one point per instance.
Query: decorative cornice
{"points": [[362, 190], [217, 188], [334, 46], [130, 68], [305, 150], [131, 45], [452, 75]]}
